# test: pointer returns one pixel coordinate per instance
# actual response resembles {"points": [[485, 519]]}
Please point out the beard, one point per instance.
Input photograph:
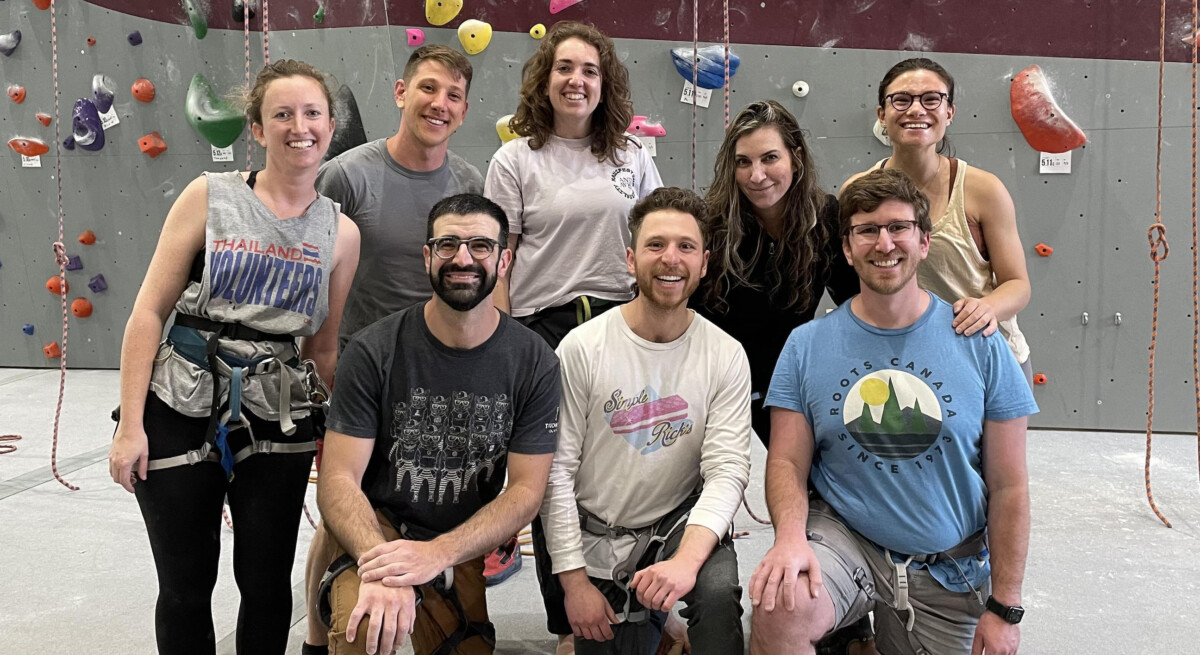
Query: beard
{"points": [[645, 287], [869, 276], [462, 297]]}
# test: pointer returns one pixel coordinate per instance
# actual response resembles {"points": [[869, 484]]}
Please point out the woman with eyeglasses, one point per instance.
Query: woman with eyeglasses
{"points": [[975, 260]]}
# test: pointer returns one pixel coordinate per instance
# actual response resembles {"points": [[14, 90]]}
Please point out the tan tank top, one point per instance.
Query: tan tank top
{"points": [[954, 268]]}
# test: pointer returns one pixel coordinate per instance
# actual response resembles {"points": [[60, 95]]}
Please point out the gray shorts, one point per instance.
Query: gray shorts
{"points": [[859, 579]]}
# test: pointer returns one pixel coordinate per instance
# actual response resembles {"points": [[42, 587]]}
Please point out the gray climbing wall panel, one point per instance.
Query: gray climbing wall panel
{"points": [[1095, 218]]}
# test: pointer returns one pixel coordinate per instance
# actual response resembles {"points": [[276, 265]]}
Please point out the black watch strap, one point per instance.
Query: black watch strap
{"points": [[1011, 615]]}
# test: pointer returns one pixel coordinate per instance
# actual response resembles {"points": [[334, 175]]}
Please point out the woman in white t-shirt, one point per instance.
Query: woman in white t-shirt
{"points": [[569, 183]]}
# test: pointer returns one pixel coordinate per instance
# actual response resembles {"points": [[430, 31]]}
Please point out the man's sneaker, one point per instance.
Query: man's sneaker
{"points": [[502, 563]]}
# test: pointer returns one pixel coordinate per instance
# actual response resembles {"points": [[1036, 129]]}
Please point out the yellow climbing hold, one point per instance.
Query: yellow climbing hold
{"points": [[537, 31], [504, 130], [475, 35], [440, 12]]}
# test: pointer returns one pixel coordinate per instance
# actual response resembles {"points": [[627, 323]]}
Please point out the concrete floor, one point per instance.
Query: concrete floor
{"points": [[79, 577]]}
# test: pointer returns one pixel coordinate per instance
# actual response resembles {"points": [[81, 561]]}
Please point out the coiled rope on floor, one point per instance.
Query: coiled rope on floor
{"points": [[6, 448]]}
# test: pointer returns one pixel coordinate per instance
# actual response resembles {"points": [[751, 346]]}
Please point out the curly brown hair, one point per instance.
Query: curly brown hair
{"points": [[535, 115], [732, 216], [280, 69]]}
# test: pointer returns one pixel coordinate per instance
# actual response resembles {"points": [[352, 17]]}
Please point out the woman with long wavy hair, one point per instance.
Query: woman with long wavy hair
{"points": [[775, 245]]}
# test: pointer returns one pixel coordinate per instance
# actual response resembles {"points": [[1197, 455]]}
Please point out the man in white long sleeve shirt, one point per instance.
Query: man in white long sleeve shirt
{"points": [[653, 454]]}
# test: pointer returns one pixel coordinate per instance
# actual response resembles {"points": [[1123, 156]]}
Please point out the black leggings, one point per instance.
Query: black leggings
{"points": [[182, 510]]}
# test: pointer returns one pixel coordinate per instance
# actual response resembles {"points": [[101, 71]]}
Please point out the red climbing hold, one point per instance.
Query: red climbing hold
{"points": [[91, 41], [1042, 121], [1039, 378], [81, 307], [87, 237], [42, 4], [16, 93], [57, 285], [29, 147], [558, 5], [44, 118], [152, 145], [51, 350], [1044, 250], [143, 90]]}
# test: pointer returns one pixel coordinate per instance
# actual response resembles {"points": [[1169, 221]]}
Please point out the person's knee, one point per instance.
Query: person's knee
{"points": [[717, 588], [804, 623]]}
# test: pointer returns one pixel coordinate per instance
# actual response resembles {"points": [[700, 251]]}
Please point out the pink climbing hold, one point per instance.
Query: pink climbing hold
{"points": [[558, 5], [1045, 126], [416, 36], [641, 126]]}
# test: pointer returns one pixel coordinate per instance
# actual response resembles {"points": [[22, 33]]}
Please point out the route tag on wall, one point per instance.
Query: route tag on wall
{"points": [[31, 162], [109, 118], [222, 154], [703, 96], [1049, 163], [648, 142]]}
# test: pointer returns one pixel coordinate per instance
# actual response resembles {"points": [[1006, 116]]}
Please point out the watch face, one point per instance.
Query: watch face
{"points": [[1015, 614]]}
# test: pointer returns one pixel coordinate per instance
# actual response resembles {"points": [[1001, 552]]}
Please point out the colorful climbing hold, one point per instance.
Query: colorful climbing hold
{"points": [[143, 90], [44, 118], [81, 307], [91, 41], [58, 285], [27, 328], [69, 143], [710, 69], [1040, 378], [558, 5], [416, 36], [85, 125], [9, 42], [504, 130], [641, 126], [103, 91], [320, 15], [1041, 120], [474, 35], [349, 131], [74, 263], [219, 122], [87, 237], [51, 350], [800, 89], [16, 93], [134, 38], [42, 4], [97, 284], [440, 12], [152, 145], [537, 31], [195, 14], [29, 146], [1044, 250]]}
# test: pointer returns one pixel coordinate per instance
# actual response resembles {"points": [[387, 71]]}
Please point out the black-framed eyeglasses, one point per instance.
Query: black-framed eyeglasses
{"points": [[447, 247], [929, 100], [869, 232]]}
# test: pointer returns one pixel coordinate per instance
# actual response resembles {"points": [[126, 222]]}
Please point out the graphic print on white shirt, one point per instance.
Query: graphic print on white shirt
{"points": [[646, 420]]}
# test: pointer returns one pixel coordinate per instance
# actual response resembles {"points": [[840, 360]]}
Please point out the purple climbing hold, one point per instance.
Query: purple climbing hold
{"points": [[27, 328], [97, 284], [74, 263], [85, 125], [9, 42], [103, 90], [134, 38], [69, 143]]}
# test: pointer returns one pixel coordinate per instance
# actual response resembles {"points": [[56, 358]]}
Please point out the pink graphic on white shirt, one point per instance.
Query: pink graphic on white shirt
{"points": [[647, 421]]}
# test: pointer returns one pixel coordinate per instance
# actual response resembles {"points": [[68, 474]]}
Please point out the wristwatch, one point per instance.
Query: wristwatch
{"points": [[1011, 615]]}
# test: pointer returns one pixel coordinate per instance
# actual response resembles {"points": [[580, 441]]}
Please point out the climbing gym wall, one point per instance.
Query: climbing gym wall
{"points": [[1084, 231]]}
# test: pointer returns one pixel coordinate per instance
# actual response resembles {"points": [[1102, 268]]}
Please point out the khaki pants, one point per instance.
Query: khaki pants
{"points": [[436, 616]]}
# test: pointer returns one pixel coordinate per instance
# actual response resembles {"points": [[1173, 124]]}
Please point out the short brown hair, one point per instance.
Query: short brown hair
{"points": [[868, 192], [683, 201], [454, 61], [277, 70]]}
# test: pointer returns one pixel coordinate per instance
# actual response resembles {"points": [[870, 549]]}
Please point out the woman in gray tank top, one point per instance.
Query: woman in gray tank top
{"points": [[221, 408]]}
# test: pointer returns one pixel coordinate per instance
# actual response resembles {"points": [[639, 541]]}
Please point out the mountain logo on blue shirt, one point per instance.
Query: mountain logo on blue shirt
{"points": [[892, 414]]}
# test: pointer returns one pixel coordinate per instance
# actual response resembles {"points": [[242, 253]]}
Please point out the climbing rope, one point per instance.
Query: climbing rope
{"points": [[59, 251], [751, 512], [6, 448], [266, 29], [725, 23], [246, 38], [1159, 248], [695, 84], [1195, 242]]}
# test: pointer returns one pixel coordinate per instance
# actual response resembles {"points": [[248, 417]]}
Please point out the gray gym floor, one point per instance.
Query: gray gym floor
{"points": [[79, 577]]}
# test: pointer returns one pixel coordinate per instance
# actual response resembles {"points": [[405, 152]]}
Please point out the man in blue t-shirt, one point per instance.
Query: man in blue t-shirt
{"points": [[912, 440]]}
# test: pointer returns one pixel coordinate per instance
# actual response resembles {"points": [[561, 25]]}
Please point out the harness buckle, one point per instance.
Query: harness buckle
{"points": [[261, 446]]}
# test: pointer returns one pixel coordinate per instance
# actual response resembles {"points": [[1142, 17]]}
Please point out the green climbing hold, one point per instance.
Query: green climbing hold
{"points": [[320, 15], [195, 13], [219, 122]]}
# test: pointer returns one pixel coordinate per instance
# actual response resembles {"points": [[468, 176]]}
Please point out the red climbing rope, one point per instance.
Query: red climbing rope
{"points": [[246, 37], [6, 448], [266, 35], [695, 82], [725, 18], [1195, 241], [59, 252], [1157, 234]]}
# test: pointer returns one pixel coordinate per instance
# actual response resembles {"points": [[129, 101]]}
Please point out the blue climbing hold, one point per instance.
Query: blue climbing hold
{"points": [[134, 38], [27, 328], [74, 263], [69, 143], [710, 70], [98, 283], [85, 125]]}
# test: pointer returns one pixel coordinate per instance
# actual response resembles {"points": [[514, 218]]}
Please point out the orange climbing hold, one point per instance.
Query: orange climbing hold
{"points": [[44, 118], [91, 41], [87, 237], [42, 4], [143, 90], [16, 93], [1039, 378], [29, 147], [57, 285], [1044, 250], [51, 350], [81, 307], [152, 145], [1043, 123]]}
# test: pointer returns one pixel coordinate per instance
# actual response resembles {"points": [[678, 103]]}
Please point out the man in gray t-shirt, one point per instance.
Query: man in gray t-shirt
{"points": [[433, 406], [387, 186]]}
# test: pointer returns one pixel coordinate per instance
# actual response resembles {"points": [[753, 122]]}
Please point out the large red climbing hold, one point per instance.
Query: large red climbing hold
{"points": [[81, 307], [57, 285], [16, 93], [44, 118], [1042, 121], [152, 145], [87, 237], [143, 90], [28, 146]]}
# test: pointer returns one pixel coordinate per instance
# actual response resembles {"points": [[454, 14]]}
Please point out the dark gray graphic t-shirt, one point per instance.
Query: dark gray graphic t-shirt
{"points": [[443, 419]]}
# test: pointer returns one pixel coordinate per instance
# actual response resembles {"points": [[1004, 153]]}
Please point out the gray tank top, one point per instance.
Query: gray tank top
{"points": [[262, 272]]}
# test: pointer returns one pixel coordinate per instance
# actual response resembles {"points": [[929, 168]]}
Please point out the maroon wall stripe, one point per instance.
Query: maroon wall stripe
{"points": [[1088, 29]]}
